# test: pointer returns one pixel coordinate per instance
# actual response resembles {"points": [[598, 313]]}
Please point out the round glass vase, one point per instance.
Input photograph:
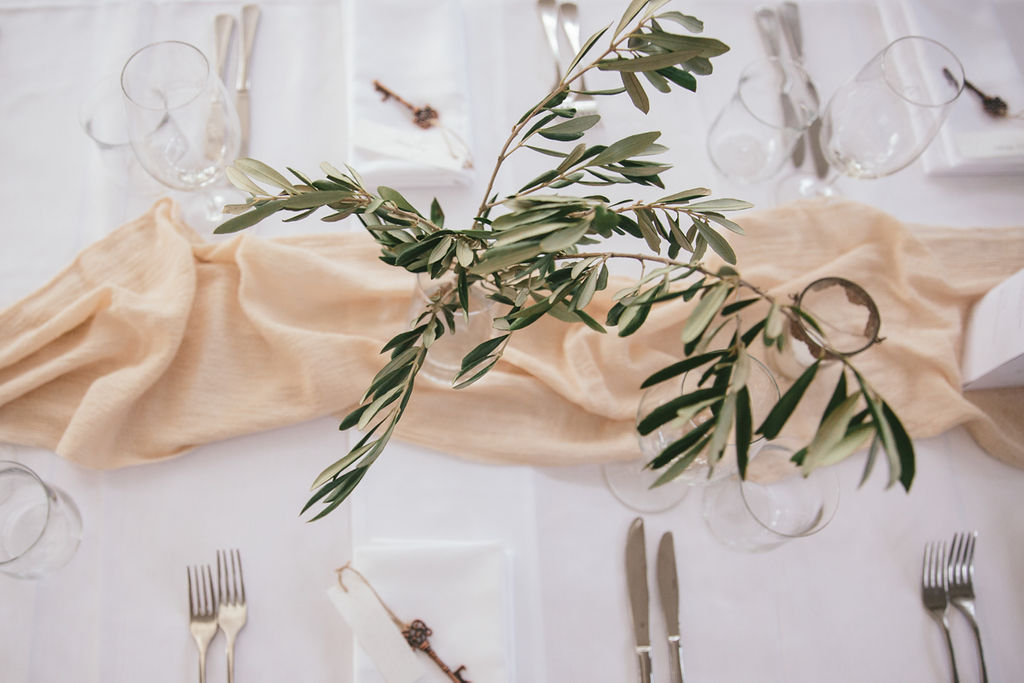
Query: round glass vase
{"points": [[634, 482], [444, 357]]}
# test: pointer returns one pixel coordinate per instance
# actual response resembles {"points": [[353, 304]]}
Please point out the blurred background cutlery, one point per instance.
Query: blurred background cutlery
{"points": [[569, 18], [789, 15], [223, 28], [771, 34], [250, 20]]}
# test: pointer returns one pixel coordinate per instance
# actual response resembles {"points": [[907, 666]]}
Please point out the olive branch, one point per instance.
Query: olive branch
{"points": [[533, 257]]}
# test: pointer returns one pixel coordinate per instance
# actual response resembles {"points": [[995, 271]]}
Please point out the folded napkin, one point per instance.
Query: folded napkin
{"points": [[970, 142], [384, 143], [459, 590], [153, 342]]}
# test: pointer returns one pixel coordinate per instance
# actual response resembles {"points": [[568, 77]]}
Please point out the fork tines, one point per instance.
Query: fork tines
{"points": [[961, 563], [230, 581], [201, 599]]}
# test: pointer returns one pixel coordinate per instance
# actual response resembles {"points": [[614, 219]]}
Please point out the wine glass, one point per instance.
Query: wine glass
{"points": [[881, 120], [755, 132], [633, 482], [182, 125]]}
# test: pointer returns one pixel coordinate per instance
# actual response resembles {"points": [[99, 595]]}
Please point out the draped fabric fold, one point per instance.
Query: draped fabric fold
{"points": [[153, 342]]}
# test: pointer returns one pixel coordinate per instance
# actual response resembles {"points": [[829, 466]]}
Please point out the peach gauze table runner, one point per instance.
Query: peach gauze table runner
{"points": [[154, 341]]}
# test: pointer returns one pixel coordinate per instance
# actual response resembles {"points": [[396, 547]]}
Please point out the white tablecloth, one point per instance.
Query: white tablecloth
{"points": [[841, 606]]}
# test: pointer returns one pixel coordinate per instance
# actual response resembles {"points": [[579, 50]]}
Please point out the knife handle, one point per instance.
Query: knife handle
{"points": [[675, 653], [644, 657], [250, 19]]}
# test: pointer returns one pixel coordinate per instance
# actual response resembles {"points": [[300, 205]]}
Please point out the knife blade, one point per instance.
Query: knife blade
{"points": [[792, 30], [668, 591], [223, 27], [771, 34], [636, 581], [250, 20]]}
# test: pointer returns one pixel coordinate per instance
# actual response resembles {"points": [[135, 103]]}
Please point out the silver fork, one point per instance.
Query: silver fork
{"points": [[231, 611], [569, 18], [202, 612], [933, 593], [961, 586]]}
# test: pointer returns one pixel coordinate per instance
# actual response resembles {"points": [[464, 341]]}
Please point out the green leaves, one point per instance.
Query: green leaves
{"points": [[572, 129]]}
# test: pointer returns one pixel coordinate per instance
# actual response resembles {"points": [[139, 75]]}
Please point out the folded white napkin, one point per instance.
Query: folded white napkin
{"points": [[385, 146], [970, 142], [460, 590]]}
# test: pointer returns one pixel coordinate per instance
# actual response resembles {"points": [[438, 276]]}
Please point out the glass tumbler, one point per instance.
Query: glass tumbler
{"points": [[754, 134], [40, 526], [776, 502]]}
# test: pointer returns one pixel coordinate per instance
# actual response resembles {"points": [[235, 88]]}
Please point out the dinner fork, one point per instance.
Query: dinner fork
{"points": [[569, 18], [202, 614], [933, 594], [961, 586], [231, 610]]}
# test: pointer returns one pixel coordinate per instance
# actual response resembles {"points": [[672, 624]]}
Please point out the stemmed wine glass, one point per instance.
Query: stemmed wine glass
{"points": [[182, 125], [881, 120]]}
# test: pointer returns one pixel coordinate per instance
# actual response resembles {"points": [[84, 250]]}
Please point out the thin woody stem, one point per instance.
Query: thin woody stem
{"points": [[518, 128]]}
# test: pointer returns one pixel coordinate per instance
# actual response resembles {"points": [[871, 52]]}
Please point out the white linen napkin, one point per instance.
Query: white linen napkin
{"points": [[970, 142], [460, 590], [385, 146]]}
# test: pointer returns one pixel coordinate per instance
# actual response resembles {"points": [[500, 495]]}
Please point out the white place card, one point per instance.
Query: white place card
{"points": [[993, 355]]}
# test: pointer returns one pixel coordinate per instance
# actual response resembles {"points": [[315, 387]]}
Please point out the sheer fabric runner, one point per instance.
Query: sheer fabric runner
{"points": [[153, 342]]}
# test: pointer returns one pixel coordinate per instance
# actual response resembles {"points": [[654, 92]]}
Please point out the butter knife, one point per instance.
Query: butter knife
{"points": [[771, 34], [668, 591], [636, 580], [790, 16], [223, 27], [250, 20]]}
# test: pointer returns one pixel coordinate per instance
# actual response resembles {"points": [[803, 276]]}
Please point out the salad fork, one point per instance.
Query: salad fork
{"points": [[933, 594], [961, 586], [202, 612], [231, 609]]}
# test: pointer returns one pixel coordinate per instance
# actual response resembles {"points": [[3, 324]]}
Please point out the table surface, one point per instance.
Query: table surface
{"points": [[841, 606]]}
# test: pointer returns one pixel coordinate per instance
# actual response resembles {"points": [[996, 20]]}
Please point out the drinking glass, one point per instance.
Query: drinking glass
{"points": [[40, 526], [881, 120], [181, 123], [754, 134], [444, 358], [845, 322], [774, 504], [632, 482]]}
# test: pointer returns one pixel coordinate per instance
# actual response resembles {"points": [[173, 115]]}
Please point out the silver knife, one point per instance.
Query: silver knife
{"points": [[250, 19], [790, 16], [636, 580], [668, 591], [771, 34], [223, 27]]}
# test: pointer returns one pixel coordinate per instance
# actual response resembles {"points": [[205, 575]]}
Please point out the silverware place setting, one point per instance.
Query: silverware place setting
{"points": [[947, 579], [222, 608], [639, 599]]}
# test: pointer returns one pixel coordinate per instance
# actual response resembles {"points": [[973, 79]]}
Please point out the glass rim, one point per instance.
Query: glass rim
{"points": [[7, 465], [817, 342], [884, 61], [785, 64], [159, 43]]}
